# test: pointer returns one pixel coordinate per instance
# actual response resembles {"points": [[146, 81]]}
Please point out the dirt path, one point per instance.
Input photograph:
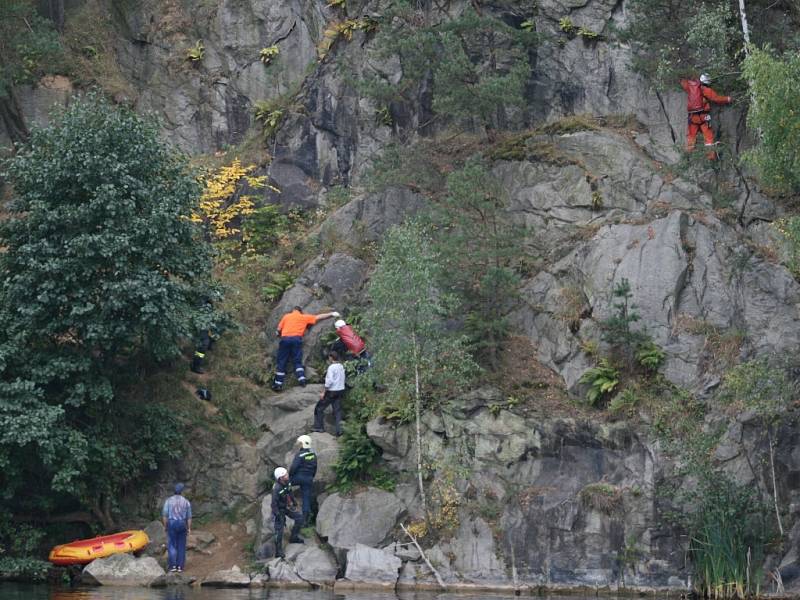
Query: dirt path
{"points": [[227, 550]]}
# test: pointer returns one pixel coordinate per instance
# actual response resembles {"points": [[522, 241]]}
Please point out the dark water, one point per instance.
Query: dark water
{"points": [[13, 591]]}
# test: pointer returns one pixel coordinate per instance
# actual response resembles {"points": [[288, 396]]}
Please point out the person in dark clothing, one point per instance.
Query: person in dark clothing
{"points": [[302, 472], [201, 348], [283, 504], [332, 395], [204, 341]]}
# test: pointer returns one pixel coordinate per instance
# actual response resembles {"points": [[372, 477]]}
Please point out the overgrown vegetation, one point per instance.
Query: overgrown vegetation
{"points": [[418, 360], [478, 247], [102, 277], [775, 114], [478, 64]]}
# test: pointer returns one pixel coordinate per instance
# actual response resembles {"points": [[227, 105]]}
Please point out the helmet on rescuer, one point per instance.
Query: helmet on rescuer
{"points": [[339, 323], [280, 472], [705, 79], [304, 441]]}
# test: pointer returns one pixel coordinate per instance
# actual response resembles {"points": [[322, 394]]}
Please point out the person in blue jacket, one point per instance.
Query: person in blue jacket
{"points": [[177, 518], [302, 472]]}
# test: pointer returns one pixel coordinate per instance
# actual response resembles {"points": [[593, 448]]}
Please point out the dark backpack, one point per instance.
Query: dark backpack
{"points": [[695, 101]]}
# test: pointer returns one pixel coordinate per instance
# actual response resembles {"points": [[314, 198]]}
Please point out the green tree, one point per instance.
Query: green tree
{"points": [[478, 65], [417, 359], [775, 114], [478, 246], [765, 390], [102, 274], [674, 38]]}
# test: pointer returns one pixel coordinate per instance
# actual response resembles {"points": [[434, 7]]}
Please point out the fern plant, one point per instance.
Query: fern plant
{"points": [[267, 54], [277, 286], [649, 355], [269, 115], [602, 379], [196, 53]]}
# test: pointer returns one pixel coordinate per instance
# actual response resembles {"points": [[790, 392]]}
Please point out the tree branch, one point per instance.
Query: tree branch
{"points": [[424, 557]]}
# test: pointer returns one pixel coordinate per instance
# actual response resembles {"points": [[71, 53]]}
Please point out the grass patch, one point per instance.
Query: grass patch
{"points": [[89, 37], [571, 124], [603, 497]]}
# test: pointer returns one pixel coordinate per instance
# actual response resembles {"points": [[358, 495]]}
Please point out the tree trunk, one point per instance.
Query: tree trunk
{"points": [[745, 26], [418, 415], [774, 483], [12, 119]]}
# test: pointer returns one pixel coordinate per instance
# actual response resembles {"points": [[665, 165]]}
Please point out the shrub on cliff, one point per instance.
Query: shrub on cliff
{"points": [[102, 274]]}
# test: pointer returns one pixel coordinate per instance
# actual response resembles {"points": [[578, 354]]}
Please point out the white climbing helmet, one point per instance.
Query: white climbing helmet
{"points": [[339, 323], [280, 472], [304, 441], [705, 79]]}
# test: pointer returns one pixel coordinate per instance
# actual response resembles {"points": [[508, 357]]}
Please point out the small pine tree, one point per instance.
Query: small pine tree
{"points": [[478, 246]]}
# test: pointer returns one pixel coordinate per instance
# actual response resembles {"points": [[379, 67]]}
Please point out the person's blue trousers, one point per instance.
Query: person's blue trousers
{"points": [[176, 543], [306, 490], [290, 347]]}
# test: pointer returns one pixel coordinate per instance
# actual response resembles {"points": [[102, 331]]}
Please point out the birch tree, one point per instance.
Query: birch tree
{"points": [[418, 361]]}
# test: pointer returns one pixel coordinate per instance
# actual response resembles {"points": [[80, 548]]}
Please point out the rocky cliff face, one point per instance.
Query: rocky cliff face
{"points": [[598, 205]]}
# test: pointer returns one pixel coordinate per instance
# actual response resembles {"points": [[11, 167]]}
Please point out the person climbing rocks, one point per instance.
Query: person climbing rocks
{"points": [[177, 519], [332, 394], [291, 329], [302, 472], [350, 342], [699, 97], [283, 504]]}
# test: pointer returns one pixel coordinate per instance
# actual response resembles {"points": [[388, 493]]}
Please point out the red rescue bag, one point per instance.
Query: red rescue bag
{"points": [[353, 343], [694, 96]]}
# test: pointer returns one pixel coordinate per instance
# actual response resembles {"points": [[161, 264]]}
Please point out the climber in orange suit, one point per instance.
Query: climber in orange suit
{"points": [[699, 97]]}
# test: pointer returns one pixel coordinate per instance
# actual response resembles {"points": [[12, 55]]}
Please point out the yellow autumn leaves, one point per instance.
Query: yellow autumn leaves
{"points": [[225, 202]]}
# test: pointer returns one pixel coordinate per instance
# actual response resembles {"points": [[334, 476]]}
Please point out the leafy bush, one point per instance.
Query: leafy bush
{"points": [[757, 386], [264, 228], [357, 455], [225, 203], [602, 379], [673, 39], [102, 274], [775, 114], [23, 569], [29, 44], [624, 402]]}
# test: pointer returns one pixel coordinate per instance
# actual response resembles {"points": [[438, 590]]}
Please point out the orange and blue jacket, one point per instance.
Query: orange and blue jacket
{"points": [[295, 323]]}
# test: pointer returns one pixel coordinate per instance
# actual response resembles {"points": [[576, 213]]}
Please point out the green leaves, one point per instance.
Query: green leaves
{"points": [[775, 114], [102, 272], [602, 379], [407, 324]]}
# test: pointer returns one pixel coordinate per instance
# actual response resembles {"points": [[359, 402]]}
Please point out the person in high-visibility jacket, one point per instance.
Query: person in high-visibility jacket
{"points": [[699, 97], [291, 329]]}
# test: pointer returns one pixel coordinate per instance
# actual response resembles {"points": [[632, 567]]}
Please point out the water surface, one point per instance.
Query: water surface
{"points": [[14, 591]]}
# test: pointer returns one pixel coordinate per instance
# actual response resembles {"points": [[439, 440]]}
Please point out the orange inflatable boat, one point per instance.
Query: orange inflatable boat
{"points": [[81, 552]]}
